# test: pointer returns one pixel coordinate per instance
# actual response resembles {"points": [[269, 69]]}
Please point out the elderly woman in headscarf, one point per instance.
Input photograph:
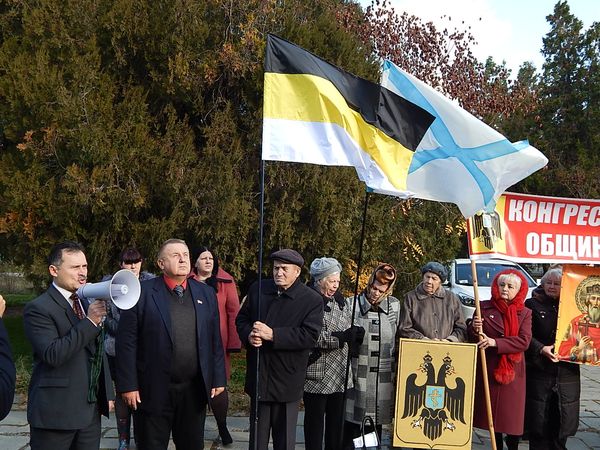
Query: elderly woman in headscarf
{"points": [[325, 375], [553, 388], [373, 365], [504, 331]]}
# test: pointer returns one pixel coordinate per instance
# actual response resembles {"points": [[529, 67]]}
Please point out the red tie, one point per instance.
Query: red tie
{"points": [[77, 307]]}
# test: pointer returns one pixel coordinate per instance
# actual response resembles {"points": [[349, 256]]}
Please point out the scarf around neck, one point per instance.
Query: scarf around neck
{"points": [[504, 373]]}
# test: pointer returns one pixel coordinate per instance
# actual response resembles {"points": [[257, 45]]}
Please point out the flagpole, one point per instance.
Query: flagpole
{"points": [[356, 284], [486, 384], [258, 316]]}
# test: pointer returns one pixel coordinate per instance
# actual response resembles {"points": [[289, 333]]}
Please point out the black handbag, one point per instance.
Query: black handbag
{"points": [[369, 440]]}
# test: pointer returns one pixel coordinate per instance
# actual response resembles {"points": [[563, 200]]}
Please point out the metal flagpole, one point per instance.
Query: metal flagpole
{"points": [[258, 317], [486, 384], [358, 264]]}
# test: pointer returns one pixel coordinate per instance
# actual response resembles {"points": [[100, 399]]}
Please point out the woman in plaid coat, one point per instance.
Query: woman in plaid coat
{"points": [[325, 375]]}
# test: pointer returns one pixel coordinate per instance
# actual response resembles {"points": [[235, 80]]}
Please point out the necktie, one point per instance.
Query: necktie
{"points": [[77, 309], [178, 290]]}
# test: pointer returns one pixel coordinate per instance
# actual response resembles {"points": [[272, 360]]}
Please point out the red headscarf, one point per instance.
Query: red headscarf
{"points": [[505, 372]]}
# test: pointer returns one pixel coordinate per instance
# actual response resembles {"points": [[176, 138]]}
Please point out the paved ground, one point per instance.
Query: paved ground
{"points": [[14, 431]]}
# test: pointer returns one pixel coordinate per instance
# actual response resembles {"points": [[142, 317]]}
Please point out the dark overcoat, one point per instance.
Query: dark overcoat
{"points": [[544, 378], [144, 344], [296, 317], [508, 400]]}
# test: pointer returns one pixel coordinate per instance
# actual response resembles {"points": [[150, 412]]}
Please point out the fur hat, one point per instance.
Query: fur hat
{"points": [[437, 268]]}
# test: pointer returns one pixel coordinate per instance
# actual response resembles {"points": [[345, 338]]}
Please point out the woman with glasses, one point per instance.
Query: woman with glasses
{"points": [[373, 363]]}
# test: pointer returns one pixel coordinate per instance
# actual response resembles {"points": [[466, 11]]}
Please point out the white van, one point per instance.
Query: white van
{"points": [[460, 280]]}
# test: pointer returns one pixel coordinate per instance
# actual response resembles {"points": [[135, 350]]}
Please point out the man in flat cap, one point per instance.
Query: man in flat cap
{"points": [[282, 325], [430, 311]]}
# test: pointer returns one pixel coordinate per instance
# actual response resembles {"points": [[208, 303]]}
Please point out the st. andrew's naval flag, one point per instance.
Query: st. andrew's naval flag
{"points": [[461, 159], [317, 113]]}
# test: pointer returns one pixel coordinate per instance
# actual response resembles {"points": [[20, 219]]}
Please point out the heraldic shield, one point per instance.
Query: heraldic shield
{"points": [[434, 394]]}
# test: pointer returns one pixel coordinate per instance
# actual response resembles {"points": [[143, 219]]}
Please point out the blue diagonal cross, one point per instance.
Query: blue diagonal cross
{"points": [[448, 146]]}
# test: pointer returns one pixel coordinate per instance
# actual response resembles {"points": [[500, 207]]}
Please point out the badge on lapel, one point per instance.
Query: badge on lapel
{"points": [[199, 301]]}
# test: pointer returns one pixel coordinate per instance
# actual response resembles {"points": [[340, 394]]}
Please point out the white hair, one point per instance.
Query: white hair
{"points": [[551, 273], [510, 277]]}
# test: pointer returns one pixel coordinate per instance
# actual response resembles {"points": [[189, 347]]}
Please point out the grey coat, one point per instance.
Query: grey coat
{"points": [[373, 372], [435, 316]]}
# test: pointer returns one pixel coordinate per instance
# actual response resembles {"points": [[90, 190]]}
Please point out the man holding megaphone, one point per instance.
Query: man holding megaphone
{"points": [[67, 393]]}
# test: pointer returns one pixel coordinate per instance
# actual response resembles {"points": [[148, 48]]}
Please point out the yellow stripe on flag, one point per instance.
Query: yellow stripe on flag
{"points": [[309, 98]]}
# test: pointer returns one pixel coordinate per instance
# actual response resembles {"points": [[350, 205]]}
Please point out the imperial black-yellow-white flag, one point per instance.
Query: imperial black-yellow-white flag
{"points": [[317, 113]]}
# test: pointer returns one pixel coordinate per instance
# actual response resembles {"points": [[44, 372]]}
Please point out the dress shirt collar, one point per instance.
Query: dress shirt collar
{"points": [[66, 294], [172, 283]]}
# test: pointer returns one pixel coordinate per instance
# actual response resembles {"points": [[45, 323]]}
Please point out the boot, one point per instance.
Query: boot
{"points": [[123, 426], [226, 438]]}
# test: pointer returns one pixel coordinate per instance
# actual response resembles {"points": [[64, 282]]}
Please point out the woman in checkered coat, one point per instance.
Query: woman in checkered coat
{"points": [[373, 368], [325, 375]]}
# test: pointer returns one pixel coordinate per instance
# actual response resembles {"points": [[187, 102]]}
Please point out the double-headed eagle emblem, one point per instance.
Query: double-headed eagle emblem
{"points": [[487, 228], [434, 402]]}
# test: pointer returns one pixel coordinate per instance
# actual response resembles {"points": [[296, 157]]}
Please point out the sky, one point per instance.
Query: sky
{"points": [[509, 30]]}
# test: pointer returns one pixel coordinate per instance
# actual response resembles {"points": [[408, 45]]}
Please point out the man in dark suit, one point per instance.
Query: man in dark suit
{"points": [[7, 368], [285, 331], [169, 354], [62, 410]]}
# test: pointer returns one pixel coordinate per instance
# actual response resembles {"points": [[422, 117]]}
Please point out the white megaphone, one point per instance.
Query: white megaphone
{"points": [[123, 289]]}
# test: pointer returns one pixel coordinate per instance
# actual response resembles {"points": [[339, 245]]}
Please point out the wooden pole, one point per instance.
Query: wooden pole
{"points": [[486, 384]]}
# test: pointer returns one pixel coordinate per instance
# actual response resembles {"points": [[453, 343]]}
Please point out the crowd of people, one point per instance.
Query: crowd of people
{"points": [[164, 361]]}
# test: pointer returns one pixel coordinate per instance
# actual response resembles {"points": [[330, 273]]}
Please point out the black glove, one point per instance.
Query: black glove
{"points": [[358, 334], [342, 336]]}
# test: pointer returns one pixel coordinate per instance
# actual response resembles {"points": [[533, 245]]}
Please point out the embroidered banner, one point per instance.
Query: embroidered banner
{"points": [[434, 394]]}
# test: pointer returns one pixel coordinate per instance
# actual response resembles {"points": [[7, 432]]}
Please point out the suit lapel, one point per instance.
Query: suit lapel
{"points": [[199, 301], [62, 302], [160, 298]]}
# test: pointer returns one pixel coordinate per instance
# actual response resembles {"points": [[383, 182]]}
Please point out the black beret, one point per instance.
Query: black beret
{"points": [[287, 255]]}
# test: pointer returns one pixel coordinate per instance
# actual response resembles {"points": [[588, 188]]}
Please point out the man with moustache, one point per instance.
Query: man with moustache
{"points": [[430, 311], [282, 326], [66, 397], [169, 355]]}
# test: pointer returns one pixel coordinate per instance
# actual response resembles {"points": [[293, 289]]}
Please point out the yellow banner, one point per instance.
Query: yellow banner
{"points": [[434, 395], [578, 328]]}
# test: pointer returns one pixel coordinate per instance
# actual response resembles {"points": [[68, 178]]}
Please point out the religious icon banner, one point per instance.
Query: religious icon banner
{"points": [[578, 327], [434, 394]]}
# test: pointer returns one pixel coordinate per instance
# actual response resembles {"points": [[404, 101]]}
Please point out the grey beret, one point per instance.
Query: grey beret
{"points": [[287, 255], [323, 267], [437, 268]]}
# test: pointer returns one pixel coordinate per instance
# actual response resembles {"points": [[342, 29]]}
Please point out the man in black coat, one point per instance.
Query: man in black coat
{"points": [[169, 354], [7, 368], [285, 331], [62, 410]]}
